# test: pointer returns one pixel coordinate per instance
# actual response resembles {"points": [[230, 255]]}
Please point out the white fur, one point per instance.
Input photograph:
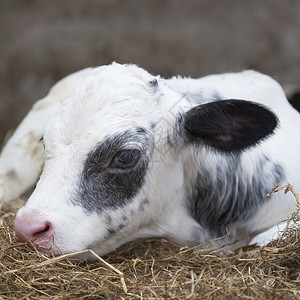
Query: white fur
{"points": [[22, 157], [85, 107]]}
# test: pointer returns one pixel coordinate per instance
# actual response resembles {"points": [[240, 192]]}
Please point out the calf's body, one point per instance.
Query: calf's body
{"points": [[128, 155]]}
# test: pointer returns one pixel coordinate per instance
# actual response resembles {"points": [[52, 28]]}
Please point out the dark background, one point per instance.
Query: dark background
{"points": [[43, 40]]}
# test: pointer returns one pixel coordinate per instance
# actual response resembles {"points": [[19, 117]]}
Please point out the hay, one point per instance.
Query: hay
{"points": [[152, 269]]}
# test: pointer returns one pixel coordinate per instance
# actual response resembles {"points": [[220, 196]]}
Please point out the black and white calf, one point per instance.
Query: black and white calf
{"points": [[128, 155]]}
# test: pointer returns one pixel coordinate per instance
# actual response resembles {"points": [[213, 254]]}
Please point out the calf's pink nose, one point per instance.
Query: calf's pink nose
{"points": [[28, 229]]}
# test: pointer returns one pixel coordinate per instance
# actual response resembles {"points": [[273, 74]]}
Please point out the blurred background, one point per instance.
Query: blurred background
{"points": [[43, 40]]}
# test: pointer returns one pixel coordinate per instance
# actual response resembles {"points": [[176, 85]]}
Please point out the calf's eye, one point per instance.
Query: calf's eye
{"points": [[125, 159]]}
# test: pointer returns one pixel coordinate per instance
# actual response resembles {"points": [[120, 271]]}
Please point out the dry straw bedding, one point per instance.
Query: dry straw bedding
{"points": [[152, 269]]}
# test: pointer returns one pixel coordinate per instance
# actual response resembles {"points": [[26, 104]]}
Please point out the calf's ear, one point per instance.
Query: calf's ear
{"points": [[229, 125]]}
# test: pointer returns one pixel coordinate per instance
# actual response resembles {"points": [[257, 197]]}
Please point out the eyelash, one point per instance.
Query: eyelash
{"points": [[125, 159]]}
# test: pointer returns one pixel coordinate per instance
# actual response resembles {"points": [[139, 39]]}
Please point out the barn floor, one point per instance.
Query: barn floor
{"points": [[152, 269]]}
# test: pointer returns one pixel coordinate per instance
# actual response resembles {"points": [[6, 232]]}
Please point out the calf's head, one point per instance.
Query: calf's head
{"points": [[114, 161]]}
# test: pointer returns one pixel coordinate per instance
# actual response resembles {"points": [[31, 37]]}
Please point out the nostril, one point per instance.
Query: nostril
{"points": [[42, 232], [29, 229]]}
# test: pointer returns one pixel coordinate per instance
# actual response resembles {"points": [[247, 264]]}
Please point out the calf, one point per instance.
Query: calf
{"points": [[128, 155]]}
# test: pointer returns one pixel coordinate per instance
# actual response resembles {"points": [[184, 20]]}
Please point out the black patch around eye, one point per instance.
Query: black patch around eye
{"points": [[125, 159], [113, 175]]}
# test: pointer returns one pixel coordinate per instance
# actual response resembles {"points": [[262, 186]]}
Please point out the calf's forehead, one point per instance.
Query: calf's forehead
{"points": [[113, 83], [103, 104]]}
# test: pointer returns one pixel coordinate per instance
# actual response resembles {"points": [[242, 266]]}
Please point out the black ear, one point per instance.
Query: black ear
{"points": [[229, 125]]}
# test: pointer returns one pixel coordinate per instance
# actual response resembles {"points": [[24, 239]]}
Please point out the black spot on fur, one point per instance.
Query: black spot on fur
{"points": [[152, 126], [111, 231], [229, 195], [121, 226], [143, 204], [154, 83]]}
